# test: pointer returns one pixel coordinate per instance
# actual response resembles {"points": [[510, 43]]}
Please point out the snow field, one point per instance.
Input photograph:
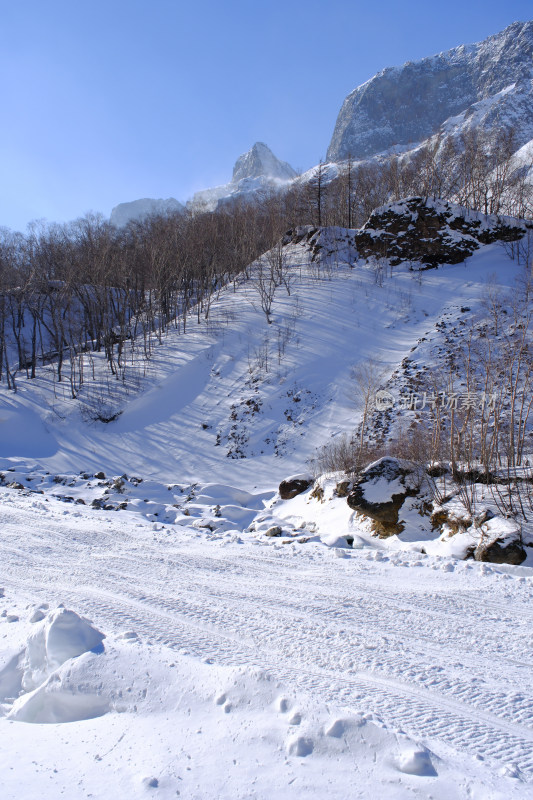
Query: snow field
{"points": [[303, 672]]}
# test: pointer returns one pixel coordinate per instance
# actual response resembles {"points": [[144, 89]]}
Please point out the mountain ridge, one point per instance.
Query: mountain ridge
{"points": [[407, 104]]}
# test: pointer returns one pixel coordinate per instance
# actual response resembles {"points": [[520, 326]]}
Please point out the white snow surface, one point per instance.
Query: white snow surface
{"points": [[236, 665], [235, 669]]}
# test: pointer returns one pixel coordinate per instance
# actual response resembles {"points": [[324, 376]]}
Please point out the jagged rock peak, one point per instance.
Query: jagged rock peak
{"points": [[403, 105], [260, 161]]}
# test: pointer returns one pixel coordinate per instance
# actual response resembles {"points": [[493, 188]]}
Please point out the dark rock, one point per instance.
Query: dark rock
{"points": [[292, 487], [436, 471], [100, 476], [382, 504], [431, 232], [496, 552]]}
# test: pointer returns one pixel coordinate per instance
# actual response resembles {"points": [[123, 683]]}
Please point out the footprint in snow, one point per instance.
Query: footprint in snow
{"points": [[300, 746], [416, 762], [282, 705]]}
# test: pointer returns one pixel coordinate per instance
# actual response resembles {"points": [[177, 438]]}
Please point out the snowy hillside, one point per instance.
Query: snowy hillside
{"points": [[173, 625]]}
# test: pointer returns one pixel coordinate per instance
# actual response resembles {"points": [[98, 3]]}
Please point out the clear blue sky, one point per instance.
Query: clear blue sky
{"points": [[105, 102]]}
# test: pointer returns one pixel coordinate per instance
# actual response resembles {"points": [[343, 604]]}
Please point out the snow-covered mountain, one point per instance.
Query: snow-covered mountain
{"points": [[260, 161], [485, 87], [256, 172], [140, 209], [213, 610], [489, 83]]}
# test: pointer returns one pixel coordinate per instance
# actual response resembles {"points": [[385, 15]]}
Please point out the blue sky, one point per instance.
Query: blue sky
{"points": [[105, 102]]}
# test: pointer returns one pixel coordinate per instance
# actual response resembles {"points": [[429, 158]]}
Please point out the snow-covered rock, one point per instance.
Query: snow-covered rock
{"points": [[407, 104], [256, 173], [380, 493], [432, 232]]}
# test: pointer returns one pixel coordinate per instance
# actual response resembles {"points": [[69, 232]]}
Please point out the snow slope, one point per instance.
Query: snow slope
{"points": [[236, 386], [234, 664]]}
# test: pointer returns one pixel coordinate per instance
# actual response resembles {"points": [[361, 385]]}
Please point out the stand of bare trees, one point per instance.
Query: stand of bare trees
{"points": [[86, 287]]}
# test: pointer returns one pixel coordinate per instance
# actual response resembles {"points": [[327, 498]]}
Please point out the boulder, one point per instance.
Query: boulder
{"points": [[291, 487], [275, 530], [431, 232], [380, 492], [499, 552]]}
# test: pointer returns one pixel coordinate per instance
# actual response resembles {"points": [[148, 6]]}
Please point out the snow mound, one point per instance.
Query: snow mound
{"points": [[40, 684], [58, 700], [61, 636], [416, 762]]}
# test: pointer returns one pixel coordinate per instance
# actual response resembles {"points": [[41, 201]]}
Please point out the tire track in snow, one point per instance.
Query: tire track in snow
{"points": [[239, 608]]}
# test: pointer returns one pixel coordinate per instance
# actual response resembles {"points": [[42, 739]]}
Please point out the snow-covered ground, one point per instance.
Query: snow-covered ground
{"points": [[237, 665], [234, 668]]}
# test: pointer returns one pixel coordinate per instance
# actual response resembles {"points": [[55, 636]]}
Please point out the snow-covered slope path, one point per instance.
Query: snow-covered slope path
{"points": [[236, 400], [440, 651]]}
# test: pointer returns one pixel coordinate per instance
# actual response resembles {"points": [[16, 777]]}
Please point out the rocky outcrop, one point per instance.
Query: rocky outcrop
{"points": [[422, 231], [380, 493], [431, 232], [404, 105], [499, 551]]}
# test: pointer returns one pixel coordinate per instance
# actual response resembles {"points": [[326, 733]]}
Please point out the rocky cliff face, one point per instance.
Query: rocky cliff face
{"points": [[401, 106]]}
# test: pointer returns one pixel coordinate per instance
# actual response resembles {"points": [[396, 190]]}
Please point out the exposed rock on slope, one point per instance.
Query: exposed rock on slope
{"points": [[380, 493], [500, 552], [405, 105], [432, 232], [429, 232]]}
